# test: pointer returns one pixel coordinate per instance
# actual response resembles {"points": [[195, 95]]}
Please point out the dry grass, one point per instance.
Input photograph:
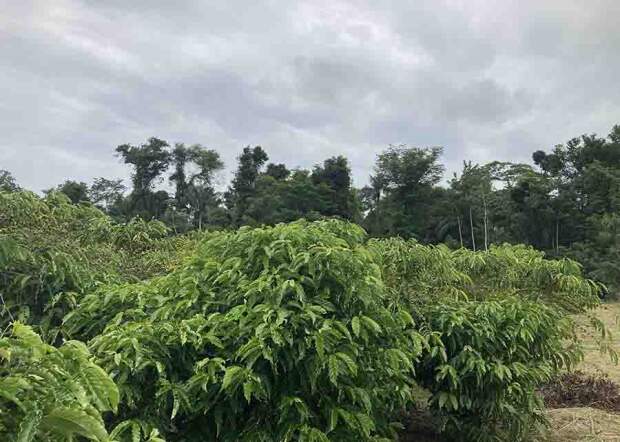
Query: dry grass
{"points": [[594, 360], [582, 424], [589, 424]]}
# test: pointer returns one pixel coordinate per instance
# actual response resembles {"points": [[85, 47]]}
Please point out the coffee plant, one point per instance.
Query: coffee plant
{"points": [[53, 252], [417, 273], [305, 331], [51, 394], [279, 333], [486, 362], [498, 326]]}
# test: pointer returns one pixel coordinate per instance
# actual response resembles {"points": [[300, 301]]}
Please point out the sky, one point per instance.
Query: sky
{"points": [[487, 80]]}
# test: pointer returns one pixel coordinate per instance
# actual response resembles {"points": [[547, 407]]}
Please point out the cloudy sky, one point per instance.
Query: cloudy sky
{"points": [[304, 79]]}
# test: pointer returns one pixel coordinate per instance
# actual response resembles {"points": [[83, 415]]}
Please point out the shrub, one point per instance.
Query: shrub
{"points": [[52, 252], [486, 362], [272, 334], [419, 274], [302, 331], [38, 286], [49, 393], [498, 325], [523, 271]]}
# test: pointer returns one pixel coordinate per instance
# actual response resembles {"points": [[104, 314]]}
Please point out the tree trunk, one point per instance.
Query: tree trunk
{"points": [[552, 243], [471, 226], [486, 234], [557, 235], [458, 220]]}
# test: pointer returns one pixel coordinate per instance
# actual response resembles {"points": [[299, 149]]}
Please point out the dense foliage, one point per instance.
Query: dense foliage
{"points": [[301, 331], [279, 333], [52, 252], [566, 202], [493, 356], [49, 394], [497, 324], [416, 273]]}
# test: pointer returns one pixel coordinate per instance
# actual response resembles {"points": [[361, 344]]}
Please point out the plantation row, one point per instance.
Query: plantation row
{"points": [[306, 331]]}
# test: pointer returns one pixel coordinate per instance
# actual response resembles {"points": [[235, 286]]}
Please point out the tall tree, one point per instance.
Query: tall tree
{"points": [[334, 180], [106, 193], [149, 161], [284, 200], [583, 177], [202, 196], [179, 159], [243, 186], [7, 182], [277, 171], [473, 190], [404, 185], [76, 191], [194, 171]]}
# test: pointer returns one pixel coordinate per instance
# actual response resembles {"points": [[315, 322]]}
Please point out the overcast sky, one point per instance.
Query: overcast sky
{"points": [[304, 79]]}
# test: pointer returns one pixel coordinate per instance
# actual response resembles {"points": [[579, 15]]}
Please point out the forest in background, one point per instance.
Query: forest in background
{"points": [[305, 331], [202, 315], [565, 203]]}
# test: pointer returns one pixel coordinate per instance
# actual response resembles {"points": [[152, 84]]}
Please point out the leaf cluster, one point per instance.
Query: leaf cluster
{"points": [[281, 333], [51, 394], [498, 325], [53, 252]]}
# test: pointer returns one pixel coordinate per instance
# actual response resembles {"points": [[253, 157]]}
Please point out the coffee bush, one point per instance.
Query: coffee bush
{"points": [[498, 324], [48, 393], [268, 334]]}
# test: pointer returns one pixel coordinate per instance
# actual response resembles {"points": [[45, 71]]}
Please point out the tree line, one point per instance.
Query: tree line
{"points": [[565, 202]]}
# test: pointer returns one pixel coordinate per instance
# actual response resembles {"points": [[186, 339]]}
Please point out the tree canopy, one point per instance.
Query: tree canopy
{"points": [[570, 193]]}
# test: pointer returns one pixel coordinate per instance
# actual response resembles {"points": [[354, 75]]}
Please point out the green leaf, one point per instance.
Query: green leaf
{"points": [[71, 422], [29, 425], [371, 324], [454, 401], [232, 377], [104, 390], [333, 419], [248, 389], [348, 362], [355, 325], [443, 398], [136, 432], [320, 346], [333, 369], [365, 423]]}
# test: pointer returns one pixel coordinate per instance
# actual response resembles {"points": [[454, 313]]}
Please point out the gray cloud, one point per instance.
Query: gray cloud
{"points": [[306, 80]]}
